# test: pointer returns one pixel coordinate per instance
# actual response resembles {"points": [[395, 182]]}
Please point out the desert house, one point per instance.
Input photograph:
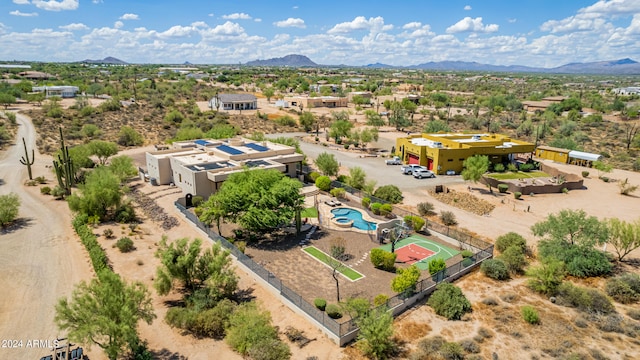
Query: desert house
{"points": [[317, 101], [566, 156], [234, 102], [62, 91], [200, 167], [443, 153]]}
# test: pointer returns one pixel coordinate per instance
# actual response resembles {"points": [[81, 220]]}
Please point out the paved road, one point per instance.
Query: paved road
{"points": [[39, 261], [375, 167]]}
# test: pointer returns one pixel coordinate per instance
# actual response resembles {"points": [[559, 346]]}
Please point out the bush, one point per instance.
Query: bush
{"points": [[57, 192], [126, 214], [269, 349], [514, 259], [386, 209], [382, 259], [107, 233], [625, 288], [314, 175], [451, 351], [449, 301], [320, 303], [530, 315], [498, 168], [565, 190], [406, 280], [286, 120], [466, 254], [584, 299], [375, 208], [338, 192], [125, 245], [495, 269], [436, 265], [526, 167], [129, 137], [366, 202], [448, 218], [323, 183], [248, 327], [334, 311], [342, 178], [580, 261], [634, 314], [9, 208], [212, 322], [470, 346], [390, 193], [604, 178], [197, 200], [585, 174], [45, 190], [502, 188], [417, 223], [380, 299], [503, 242], [517, 195], [426, 208]]}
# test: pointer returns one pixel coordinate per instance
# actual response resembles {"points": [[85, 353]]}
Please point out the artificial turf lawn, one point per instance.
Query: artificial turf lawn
{"points": [[325, 258], [518, 175], [309, 213]]}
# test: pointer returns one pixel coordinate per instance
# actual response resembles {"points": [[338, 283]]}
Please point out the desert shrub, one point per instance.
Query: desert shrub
{"points": [[333, 311], [342, 178], [212, 322], [495, 269], [386, 209], [57, 192], [565, 190], [526, 167], [584, 299], [415, 222], [530, 315], [180, 317], [546, 277], [498, 168], [449, 301], [286, 120], [517, 195], [338, 192], [470, 346], [502, 188], [426, 208], [248, 327], [634, 314], [431, 345], [490, 301], [436, 265], [107, 233], [375, 208], [514, 259], [625, 288], [125, 245], [610, 323], [585, 174], [604, 178], [406, 280], [40, 179], [241, 246], [390, 193], [451, 351], [580, 261], [448, 218], [45, 190], [129, 137], [314, 175], [466, 254], [512, 167], [366, 202], [126, 214], [320, 303], [380, 299], [323, 183], [197, 200], [269, 349], [382, 259], [511, 239]]}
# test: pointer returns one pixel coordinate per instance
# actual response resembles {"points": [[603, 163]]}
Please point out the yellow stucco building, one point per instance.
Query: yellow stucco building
{"points": [[446, 152]]}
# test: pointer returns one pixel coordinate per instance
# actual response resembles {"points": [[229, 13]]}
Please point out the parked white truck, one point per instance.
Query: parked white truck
{"points": [[393, 161], [408, 169]]}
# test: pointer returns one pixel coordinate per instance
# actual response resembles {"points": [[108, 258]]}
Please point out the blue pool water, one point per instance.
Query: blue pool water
{"points": [[356, 216]]}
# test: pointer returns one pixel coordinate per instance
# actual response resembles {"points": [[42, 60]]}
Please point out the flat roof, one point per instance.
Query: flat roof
{"points": [[229, 150], [210, 166]]}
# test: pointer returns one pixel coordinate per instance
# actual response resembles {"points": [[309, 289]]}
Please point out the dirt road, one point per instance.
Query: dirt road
{"points": [[40, 260]]}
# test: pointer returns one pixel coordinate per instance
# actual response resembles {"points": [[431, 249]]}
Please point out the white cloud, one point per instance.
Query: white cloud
{"points": [[360, 23], [412, 25], [53, 5], [210, 14], [572, 24], [228, 28], [257, 20], [467, 7], [129, 17], [472, 25], [96, 1], [613, 7], [177, 31], [74, 27], [291, 22], [118, 24], [21, 2], [237, 16], [19, 13], [511, 21]]}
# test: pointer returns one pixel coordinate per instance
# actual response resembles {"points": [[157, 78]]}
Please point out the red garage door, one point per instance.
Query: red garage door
{"points": [[413, 159], [430, 163]]}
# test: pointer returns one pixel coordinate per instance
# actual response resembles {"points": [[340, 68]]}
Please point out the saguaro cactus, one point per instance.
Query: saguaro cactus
{"points": [[64, 167], [25, 159]]}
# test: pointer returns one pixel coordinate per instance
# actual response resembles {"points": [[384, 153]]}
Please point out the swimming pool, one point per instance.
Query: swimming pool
{"points": [[355, 216]]}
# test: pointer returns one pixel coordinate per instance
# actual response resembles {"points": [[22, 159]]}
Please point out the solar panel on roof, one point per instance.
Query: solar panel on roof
{"points": [[202, 142], [229, 150], [256, 147]]}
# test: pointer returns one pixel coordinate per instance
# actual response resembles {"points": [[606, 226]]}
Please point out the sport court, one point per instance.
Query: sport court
{"points": [[419, 250]]}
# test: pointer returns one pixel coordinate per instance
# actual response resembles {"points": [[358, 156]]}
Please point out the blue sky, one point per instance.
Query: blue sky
{"points": [[544, 33]]}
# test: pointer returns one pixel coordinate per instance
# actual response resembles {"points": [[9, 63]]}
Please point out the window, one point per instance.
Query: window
{"points": [[179, 177], [450, 160]]}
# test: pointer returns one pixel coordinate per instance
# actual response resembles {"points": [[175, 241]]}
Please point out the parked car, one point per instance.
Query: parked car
{"points": [[409, 169], [420, 173], [393, 161]]}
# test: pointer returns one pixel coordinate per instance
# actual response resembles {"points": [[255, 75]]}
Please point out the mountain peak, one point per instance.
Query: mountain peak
{"points": [[107, 60], [293, 60]]}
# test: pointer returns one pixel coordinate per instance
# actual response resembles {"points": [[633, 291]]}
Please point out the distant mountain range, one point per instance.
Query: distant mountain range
{"points": [[107, 60], [289, 60]]}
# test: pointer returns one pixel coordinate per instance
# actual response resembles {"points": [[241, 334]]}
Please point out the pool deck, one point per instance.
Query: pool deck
{"points": [[326, 215]]}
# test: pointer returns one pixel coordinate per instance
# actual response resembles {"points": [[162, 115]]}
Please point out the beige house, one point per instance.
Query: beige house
{"points": [[234, 102], [317, 101], [200, 167]]}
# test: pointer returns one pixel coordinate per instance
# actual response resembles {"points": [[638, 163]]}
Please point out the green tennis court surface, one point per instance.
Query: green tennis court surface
{"points": [[421, 252], [320, 255]]}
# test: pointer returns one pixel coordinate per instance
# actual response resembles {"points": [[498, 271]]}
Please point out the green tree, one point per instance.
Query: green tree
{"points": [[337, 251], [623, 236], [99, 195], [183, 261], [357, 177], [103, 150], [307, 119], [436, 126], [129, 137], [259, 201], [9, 207], [390, 193], [268, 93], [436, 265], [406, 280], [546, 277], [602, 167], [249, 327], [105, 312], [368, 135], [503, 242], [340, 129], [449, 301], [7, 99], [375, 338], [122, 167], [573, 227], [327, 164], [474, 167]]}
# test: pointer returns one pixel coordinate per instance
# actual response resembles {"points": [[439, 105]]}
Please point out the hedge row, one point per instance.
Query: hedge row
{"points": [[99, 258]]}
